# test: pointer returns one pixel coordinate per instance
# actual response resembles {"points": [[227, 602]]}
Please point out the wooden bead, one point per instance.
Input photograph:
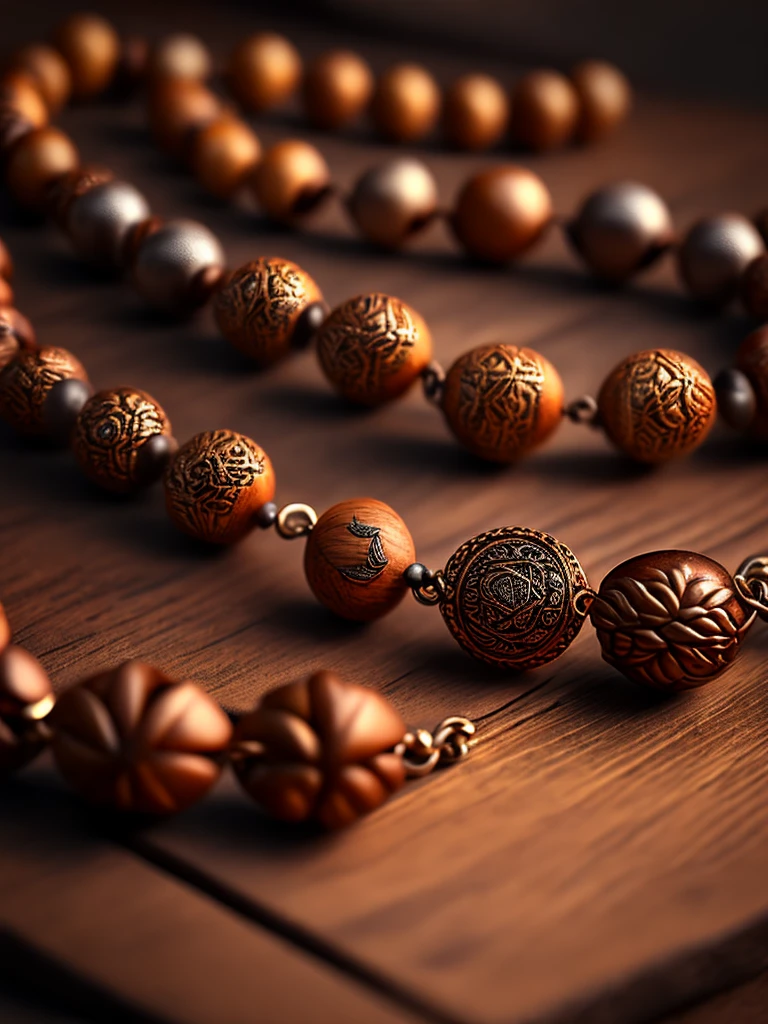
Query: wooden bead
{"points": [[177, 109], [180, 55], [264, 70], [26, 382], [406, 103], [393, 201], [605, 97], [5, 630], [258, 308], [49, 71], [12, 128], [25, 696], [215, 485], [355, 559], [91, 48], [501, 212], [36, 161], [134, 740], [16, 335], [502, 401], [475, 112], [752, 361], [545, 110], [671, 620], [336, 89], [19, 92], [373, 347], [6, 293], [6, 262], [754, 287], [223, 155], [177, 265], [714, 255], [657, 405], [71, 186], [320, 750], [291, 180]]}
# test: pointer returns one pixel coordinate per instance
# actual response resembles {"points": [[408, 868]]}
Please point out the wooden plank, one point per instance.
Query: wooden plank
{"points": [[745, 1004]]}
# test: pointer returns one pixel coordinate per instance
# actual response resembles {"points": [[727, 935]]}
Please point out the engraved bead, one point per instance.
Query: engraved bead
{"points": [[291, 180], [336, 88], [216, 484], [373, 347], [545, 110], [657, 405], [26, 382], [671, 620], [24, 688], [356, 557], [99, 221], [605, 97], [406, 103], [258, 308], [754, 287], [16, 335], [264, 70], [393, 201], [501, 401], [475, 112], [715, 253], [171, 264], [752, 361], [36, 161]]}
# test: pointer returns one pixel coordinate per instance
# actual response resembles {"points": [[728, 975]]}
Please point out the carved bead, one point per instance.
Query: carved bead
{"points": [[715, 253], [671, 619], [291, 180], [336, 88], [373, 347], [264, 70], [26, 382], [320, 750], [25, 697], [406, 103], [16, 335], [605, 97], [171, 264], [110, 434], [134, 740], [91, 48], [355, 559], [258, 308], [99, 221], [475, 112], [515, 598], [394, 200], [657, 405], [215, 485], [545, 110], [752, 361], [501, 401]]}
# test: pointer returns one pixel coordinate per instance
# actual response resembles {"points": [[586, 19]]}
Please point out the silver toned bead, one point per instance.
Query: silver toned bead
{"points": [[173, 260], [99, 220], [715, 253]]}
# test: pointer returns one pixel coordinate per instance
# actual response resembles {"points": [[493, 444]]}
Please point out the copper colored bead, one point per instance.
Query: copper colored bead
{"points": [[605, 97], [26, 697], [223, 155], [99, 221], [5, 630], [6, 262], [12, 128], [264, 70], [754, 288], [215, 485], [671, 620], [475, 112], [291, 180], [406, 103], [6, 293], [137, 741], [26, 382], [393, 201], [180, 55], [501, 212], [258, 308], [91, 48], [49, 71], [178, 108], [320, 750], [36, 161], [72, 185], [657, 405], [620, 229], [355, 558], [336, 88], [19, 92], [502, 401], [752, 361], [172, 264], [545, 110], [715, 253], [373, 347], [16, 335]]}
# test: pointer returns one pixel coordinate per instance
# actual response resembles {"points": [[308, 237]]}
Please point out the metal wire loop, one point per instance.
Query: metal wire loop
{"points": [[295, 520], [423, 751], [433, 591], [583, 410], [751, 580]]}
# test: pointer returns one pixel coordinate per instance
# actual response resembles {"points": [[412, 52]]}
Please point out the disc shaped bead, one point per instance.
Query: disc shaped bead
{"points": [[25, 697], [714, 255], [215, 485], [16, 335], [336, 88], [171, 265], [406, 103], [752, 361], [99, 221], [657, 405], [393, 201], [355, 559], [502, 401], [26, 382], [373, 347], [671, 620]]}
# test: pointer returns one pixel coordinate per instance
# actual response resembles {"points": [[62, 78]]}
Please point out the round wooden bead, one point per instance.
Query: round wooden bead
{"points": [[6, 293], [373, 347], [336, 88], [754, 287], [291, 180], [177, 109], [16, 335], [502, 401], [26, 382], [657, 405], [545, 110], [5, 630], [258, 308], [180, 55], [215, 485], [25, 695], [91, 48], [393, 201], [501, 212], [406, 103], [72, 185], [320, 750], [264, 70], [223, 155], [36, 161], [19, 92], [752, 361], [355, 559], [475, 112], [605, 97], [715, 253], [671, 620], [132, 739], [6, 262], [99, 221], [177, 265], [49, 71]]}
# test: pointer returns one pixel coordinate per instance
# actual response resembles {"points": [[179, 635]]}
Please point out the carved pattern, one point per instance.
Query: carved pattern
{"points": [[376, 561], [516, 598], [26, 382]]}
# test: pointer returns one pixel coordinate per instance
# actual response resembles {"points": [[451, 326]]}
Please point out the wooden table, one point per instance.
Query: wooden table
{"points": [[602, 855]]}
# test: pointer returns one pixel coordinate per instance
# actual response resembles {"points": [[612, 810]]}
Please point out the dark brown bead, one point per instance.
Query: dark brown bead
{"points": [[754, 288], [98, 222], [19, 92], [62, 407], [153, 458], [671, 620], [26, 382], [336, 88], [406, 103], [136, 235], [16, 335], [605, 98], [761, 223], [393, 201], [752, 361], [545, 110], [502, 212], [36, 161], [91, 48], [173, 264], [12, 128], [264, 70], [475, 112], [73, 185], [178, 108], [715, 253], [180, 55], [736, 399], [134, 740], [308, 324], [320, 750], [223, 155], [49, 71], [291, 180], [6, 262], [132, 65], [25, 697]]}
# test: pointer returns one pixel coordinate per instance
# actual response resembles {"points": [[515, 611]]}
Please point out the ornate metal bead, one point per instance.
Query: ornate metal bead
{"points": [[671, 619], [25, 697], [657, 405], [98, 222], [170, 264], [515, 598], [501, 401], [26, 382]]}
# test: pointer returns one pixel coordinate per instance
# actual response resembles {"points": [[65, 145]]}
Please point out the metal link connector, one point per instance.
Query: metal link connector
{"points": [[433, 382], [751, 581], [433, 589], [583, 411], [423, 751], [295, 520]]}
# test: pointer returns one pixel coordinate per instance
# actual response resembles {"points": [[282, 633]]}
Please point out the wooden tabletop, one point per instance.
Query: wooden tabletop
{"points": [[602, 854]]}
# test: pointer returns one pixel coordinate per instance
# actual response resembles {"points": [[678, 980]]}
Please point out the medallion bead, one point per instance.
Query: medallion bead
{"points": [[545, 110], [605, 97], [356, 558], [180, 55], [394, 200], [264, 70], [36, 161], [260, 305], [223, 154], [178, 107], [170, 262], [49, 71], [657, 405], [475, 112], [99, 220], [373, 347], [754, 287], [406, 103], [19, 92], [91, 48], [715, 253], [336, 88], [25, 695], [736, 399], [26, 382], [216, 484], [752, 361], [291, 180], [16, 335]]}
